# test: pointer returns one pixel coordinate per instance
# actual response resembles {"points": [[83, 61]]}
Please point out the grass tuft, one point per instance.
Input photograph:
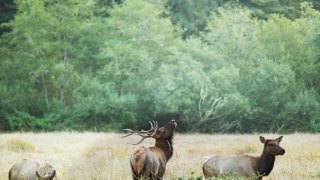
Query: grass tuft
{"points": [[20, 145], [246, 149]]}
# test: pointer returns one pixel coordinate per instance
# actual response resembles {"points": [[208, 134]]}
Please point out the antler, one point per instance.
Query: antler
{"points": [[144, 134]]}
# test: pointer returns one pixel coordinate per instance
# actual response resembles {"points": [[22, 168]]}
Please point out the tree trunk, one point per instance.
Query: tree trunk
{"points": [[64, 79], [45, 90]]}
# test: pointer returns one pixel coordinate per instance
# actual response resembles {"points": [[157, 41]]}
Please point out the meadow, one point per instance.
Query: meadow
{"points": [[106, 156]]}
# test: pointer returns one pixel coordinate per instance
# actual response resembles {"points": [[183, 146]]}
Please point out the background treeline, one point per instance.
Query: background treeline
{"points": [[215, 66]]}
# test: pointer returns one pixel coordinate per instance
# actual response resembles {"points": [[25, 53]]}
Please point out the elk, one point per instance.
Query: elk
{"points": [[31, 170], [245, 165], [150, 162]]}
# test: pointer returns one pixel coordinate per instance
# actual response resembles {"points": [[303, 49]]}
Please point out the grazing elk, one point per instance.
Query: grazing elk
{"points": [[245, 165], [150, 163], [31, 170]]}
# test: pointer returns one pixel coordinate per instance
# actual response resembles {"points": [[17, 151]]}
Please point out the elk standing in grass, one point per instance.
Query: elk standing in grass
{"points": [[245, 165], [150, 163], [31, 170]]}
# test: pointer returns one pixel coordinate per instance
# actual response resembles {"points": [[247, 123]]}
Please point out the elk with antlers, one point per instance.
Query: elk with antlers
{"points": [[150, 163]]}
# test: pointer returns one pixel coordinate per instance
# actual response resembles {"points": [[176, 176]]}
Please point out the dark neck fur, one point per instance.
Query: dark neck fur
{"points": [[166, 147], [265, 164]]}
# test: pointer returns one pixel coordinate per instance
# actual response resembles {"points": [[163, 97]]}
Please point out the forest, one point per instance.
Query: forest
{"points": [[215, 66]]}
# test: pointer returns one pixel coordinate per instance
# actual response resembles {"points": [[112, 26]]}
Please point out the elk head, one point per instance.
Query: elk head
{"points": [[164, 133], [272, 147], [49, 176]]}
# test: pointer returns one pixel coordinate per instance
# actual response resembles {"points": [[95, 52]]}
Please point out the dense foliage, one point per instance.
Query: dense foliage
{"points": [[7, 11], [106, 65]]}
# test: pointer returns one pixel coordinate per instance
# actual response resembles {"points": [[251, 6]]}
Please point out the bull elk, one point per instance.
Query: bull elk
{"points": [[150, 163], [245, 165], [31, 170]]}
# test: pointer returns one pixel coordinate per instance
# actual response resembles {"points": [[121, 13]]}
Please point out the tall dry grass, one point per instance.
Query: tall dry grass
{"points": [[106, 156]]}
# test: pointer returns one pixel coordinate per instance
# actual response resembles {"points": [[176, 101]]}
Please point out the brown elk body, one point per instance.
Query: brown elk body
{"points": [[31, 170], [150, 162], [245, 165]]}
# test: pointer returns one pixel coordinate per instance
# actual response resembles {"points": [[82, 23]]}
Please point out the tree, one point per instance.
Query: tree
{"points": [[191, 15], [7, 11], [232, 32], [40, 68]]}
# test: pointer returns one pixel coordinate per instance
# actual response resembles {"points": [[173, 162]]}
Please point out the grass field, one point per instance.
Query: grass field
{"points": [[106, 156]]}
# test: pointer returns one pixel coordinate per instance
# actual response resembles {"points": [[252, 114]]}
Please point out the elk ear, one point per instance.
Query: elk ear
{"points": [[262, 139], [37, 174], [279, 139], [53, 173]]}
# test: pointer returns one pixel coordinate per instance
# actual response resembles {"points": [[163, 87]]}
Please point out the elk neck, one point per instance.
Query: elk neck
{"points": [[265, 164], [165, 146]]}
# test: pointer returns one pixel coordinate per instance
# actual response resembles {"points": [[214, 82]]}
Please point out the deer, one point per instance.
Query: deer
{"points": [[245, 165], [150, 162], [31, 170]]}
